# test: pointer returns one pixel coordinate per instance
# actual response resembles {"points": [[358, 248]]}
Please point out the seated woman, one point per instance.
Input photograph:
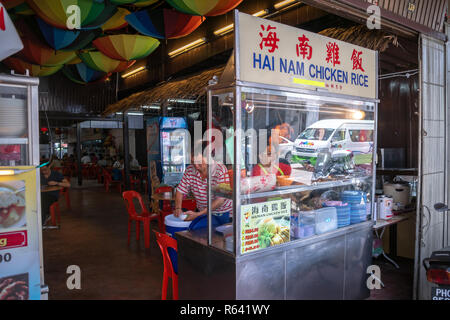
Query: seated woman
{"points": [[195, 181]]}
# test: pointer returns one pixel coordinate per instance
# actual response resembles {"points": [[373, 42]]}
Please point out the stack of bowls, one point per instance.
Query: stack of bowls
{"points": [[358, 206], [342, 210]]}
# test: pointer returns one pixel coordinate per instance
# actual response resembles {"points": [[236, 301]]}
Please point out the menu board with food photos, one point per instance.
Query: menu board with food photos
{"points": [[19, 237], [265, 224]]}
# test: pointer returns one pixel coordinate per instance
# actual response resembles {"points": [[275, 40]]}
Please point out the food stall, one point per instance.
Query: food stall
{"points": [[21, 260], [304, 229]]}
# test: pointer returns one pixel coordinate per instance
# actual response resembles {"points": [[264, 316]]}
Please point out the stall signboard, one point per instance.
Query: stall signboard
{"points": [[9, 37], [19, 237], [265, 224], [276, 54]]}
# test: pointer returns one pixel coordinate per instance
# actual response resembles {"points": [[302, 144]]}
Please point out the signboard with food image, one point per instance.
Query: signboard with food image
{"points": [[20, 277], [265, 224], [12, 205]]}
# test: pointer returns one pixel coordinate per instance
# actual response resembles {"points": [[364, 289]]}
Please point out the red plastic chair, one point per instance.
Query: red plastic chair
{"points": [[144, 216], [65, 192], [164, 242], [166, 206], [55, 213], [108, 181]]}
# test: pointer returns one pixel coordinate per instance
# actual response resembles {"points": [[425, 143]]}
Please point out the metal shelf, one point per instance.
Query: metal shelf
{"points": [[294, 189], [13, 140]]}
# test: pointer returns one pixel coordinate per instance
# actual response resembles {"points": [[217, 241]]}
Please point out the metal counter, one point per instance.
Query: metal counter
{"points": [[328, 266]]}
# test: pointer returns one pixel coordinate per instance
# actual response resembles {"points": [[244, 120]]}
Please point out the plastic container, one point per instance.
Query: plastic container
{"points": [[174, 224], [326, 220], [342, 210], [303, 224]]}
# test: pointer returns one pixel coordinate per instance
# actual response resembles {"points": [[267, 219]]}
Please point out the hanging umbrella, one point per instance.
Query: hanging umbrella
{"points": [[223, 6], [38, 53], [117, 21], [120, 2], [8, 4], [194, 7], [75, 60], [23, 9], [83, 40], [55, 37], [54, 12], [124, 65], [82, 74], [164, 23], [204, 8], [100, 62], [21, 66], [126, 46], [144, 3]]}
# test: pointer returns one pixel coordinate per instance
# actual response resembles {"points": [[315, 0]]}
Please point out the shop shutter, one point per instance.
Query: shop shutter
{"points": [[433, 160]]}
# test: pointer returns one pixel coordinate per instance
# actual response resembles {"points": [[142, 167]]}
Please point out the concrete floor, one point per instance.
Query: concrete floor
{"points": [[93, 236]]}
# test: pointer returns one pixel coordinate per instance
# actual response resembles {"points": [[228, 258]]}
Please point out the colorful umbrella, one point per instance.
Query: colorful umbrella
{"points": [[75, 60], [100, 62], [223, 6], [23, 9], [55, 37], [82, 74], [144, 3], [117, 21], [83, 40], [120, 2], [204, 8], [8, 4], [20, 66], [124, 66], [54, 12], [126, 46], [35, 51], [164, 23]]}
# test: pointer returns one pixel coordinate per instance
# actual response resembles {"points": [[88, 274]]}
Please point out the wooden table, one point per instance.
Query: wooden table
{"points": [[382, 224]]}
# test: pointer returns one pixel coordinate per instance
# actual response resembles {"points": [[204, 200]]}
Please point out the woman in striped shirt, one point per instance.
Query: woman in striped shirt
{"points": [[195, 180]]}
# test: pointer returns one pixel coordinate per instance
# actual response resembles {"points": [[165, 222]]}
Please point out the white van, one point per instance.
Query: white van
{"points": [[335, 134]]}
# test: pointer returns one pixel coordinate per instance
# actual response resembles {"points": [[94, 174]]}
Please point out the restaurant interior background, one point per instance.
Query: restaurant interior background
{"points": [[108, 116]]}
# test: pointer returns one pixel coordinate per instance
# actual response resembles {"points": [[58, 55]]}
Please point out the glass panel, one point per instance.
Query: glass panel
{"points": [[308, 172], [13, 126], [221, 169]]}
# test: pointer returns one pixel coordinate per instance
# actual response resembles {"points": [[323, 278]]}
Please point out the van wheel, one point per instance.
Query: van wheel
{"points": [[288, 157]]}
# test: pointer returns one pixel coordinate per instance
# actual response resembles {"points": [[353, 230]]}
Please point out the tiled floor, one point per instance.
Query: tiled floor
{"points": [[93, 236]]}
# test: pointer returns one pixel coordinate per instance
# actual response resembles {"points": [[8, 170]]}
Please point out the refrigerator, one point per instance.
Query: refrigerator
{"points": [[168, 145], [21, 256]]}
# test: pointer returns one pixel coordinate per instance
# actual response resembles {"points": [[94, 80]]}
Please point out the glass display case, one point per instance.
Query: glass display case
{"points": [[294, 137], [305, 166]]}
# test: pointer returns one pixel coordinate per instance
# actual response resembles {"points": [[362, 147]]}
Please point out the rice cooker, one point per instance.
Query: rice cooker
{"points": [[400, 193]]}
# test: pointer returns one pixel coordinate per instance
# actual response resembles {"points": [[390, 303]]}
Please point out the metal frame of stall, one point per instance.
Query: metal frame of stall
{"points": [[328, 266], [31, 85]]}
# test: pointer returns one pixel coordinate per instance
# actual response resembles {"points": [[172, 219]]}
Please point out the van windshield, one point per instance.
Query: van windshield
{"points": [[320, 134]]}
